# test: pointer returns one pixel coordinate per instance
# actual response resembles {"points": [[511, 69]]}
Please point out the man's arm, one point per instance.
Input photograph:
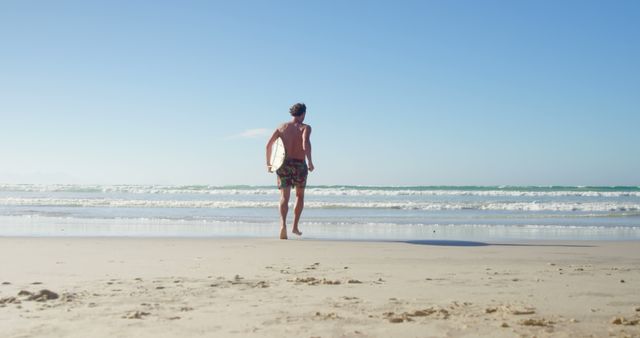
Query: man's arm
{"points": [[273, 138], [306, 145]]}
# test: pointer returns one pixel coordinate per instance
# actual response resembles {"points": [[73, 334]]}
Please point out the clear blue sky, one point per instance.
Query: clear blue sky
{"points": [[398, 92]]}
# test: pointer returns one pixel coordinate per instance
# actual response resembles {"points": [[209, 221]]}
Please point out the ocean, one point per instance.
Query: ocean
{"points": [[480, 213]]}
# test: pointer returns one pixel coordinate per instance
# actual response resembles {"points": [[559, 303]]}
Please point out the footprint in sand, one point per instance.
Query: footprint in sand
{"points": [[136, 315], [625, 321], [9, 300], [314, 281], [396, 318], [68, 297], [40, 296], [327, 316], [408, 316], [517, 310], [536, 322], [261, 284]]}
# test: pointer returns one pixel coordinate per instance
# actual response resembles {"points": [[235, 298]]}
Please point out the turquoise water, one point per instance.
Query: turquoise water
{"points": [[339, 212]]}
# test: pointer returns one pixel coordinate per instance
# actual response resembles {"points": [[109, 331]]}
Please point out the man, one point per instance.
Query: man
{"points": [[295, 136]]}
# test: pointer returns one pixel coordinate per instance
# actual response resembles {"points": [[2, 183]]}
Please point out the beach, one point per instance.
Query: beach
{"points": [[188, 287], [470, 172]]}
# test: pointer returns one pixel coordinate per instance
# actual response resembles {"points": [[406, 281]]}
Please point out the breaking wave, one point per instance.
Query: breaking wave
{"points": [[403, 205]]}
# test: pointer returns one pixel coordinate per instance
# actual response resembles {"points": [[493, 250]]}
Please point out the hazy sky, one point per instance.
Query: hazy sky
{"points": [[398, 92]]}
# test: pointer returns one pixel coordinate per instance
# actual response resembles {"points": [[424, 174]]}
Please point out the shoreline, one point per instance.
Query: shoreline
{"points": [[317, 229], [267, 287], [292, 237]]}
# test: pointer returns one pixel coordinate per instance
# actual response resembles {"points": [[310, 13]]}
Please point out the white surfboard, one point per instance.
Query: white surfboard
{"points": [[277, 155]]}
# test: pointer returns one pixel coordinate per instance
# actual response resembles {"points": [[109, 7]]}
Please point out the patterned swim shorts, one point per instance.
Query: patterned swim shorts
{"points": [[293, 172]]}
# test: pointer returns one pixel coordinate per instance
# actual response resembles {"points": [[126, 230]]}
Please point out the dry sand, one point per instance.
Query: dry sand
{"points": [[106, 287]]}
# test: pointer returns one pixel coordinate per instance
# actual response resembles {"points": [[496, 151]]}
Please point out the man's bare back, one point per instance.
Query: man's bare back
{"points": [[291, 134]]}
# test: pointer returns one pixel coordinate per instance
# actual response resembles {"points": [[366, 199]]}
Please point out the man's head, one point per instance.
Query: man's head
{"points": [[298, 110]]}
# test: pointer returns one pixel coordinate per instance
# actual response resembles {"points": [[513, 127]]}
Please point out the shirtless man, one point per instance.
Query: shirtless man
{"points": [[293, 172]]}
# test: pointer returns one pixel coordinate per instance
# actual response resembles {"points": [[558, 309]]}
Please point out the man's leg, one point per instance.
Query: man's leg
{"points": [[284, 209], [298, 209]]}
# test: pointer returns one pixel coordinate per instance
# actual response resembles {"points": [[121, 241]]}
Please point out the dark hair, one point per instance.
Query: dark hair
{"points": [[298, 109]]}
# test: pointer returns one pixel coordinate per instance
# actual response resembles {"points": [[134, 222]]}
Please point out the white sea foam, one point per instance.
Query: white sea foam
{"points": [[407, 205], [313, 191]]}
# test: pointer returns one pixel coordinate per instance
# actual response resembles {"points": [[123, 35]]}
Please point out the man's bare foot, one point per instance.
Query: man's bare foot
{"points": [[283, 233], [297, 232]]}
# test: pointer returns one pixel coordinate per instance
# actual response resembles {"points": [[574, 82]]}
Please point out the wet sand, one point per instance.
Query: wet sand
{"points": [[119, 287]]}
